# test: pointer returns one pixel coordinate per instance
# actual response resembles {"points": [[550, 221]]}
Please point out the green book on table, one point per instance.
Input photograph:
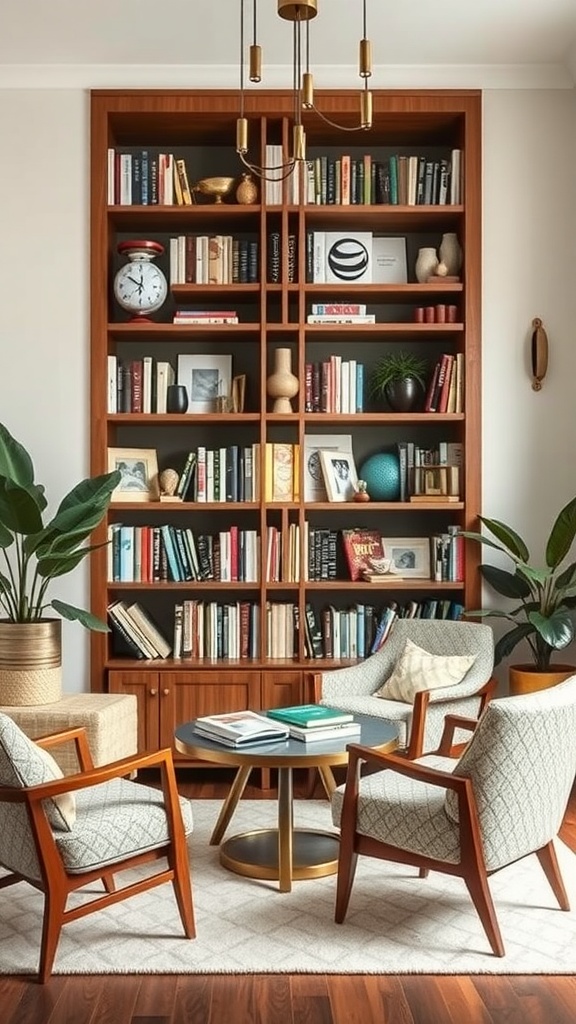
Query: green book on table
{"points": [[310, 716]]}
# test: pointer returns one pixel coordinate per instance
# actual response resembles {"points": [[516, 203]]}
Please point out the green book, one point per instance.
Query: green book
{"points": [[310, 716]]}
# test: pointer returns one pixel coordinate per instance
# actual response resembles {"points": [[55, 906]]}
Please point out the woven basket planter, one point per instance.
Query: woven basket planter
{"points": [[30, 662]]}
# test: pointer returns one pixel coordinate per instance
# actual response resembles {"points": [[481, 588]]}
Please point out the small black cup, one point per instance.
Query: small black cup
{"points": [[176, 398]]}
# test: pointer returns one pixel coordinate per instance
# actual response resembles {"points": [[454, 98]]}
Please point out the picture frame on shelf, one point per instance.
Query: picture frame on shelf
{"points": [[139, 469], [410, 556], [340, 476], [207, 378], [314, 486]]}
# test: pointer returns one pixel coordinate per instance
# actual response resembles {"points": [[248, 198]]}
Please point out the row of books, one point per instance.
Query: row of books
{"points": [[230, 474], [335, 385], [213, 259], [400, 179], [203, 318], [283, 554], [167, 553], [147, 178], [445, 391], [447, 556], [274, 258], [138, 385], [432, 473], [216, 631], [348, 633], [135, 632]]}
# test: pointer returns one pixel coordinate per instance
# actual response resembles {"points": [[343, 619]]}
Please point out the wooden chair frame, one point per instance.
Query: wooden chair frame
{"points": [[57, 884], [471, 868]]}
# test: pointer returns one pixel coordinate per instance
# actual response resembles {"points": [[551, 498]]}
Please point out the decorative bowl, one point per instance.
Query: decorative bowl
{"points": [[216, 187]]}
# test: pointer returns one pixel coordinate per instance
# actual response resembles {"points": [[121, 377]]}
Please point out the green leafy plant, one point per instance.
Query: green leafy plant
{"points": [[394, 367], [35, 553], [547, 595]]}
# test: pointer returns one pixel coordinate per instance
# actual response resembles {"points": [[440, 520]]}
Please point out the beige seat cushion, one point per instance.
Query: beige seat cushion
{"points": [[417, 669], [65, 802]]}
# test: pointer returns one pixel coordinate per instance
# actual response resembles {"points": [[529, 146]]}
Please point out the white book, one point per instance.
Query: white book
{"points": [[225, 567], [147, 372], [210, 475], [340, 733], [173, 261], [125, 179], [164, 377], [112, 385], [352, 386], [345, 386], [221, 496], [329, 318], [240, 728], [149, 629], [455, 172], [319, 256], [348, 257], [389, 260], [201, 475], [177, 641], [111, 183]]}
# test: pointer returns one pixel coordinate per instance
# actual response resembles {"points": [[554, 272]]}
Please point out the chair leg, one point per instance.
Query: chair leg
{"points": [[549, 863], [423, 872], [109, 883], [183, 893], [54, 904], [477, 884], [347, 861]]}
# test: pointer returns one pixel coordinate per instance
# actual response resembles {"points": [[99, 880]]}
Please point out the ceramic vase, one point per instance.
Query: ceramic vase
{"points": [[426, 263], [282, 385], [176, 398], [247, 191], [451, 253]]}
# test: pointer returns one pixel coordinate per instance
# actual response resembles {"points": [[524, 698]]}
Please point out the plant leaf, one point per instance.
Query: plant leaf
{"points": [[59, 565], [557, 630], [92, 492], [562, 535], [511, 540], [19, 509], [510, 640], [15, 462], [506, 583], [482, 539], [73, 614]]}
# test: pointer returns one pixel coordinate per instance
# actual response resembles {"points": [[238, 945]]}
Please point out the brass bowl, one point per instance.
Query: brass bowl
{"points": [[217, 187]]}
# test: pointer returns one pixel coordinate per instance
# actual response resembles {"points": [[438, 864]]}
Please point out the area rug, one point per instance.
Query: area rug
{"points": [[396, 923]]}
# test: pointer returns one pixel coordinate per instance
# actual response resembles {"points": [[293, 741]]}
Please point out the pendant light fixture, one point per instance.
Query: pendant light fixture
{"points": [[300, 13]]}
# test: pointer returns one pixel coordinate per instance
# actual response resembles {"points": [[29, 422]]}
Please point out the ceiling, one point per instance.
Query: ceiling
{"points": [[205, 32]]}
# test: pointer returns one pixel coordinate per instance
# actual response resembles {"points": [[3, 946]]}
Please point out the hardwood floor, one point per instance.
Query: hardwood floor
{"points": [[291, 999]]}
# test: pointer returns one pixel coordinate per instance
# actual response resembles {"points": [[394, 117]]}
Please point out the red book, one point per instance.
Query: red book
{"points": [[136, 374], [445, 388], [360, 547], [234, 554], [431, 388]]}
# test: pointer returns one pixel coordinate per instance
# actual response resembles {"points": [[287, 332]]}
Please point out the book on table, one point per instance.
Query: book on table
{"points": [[345, 732], [240, 728], [310, 716]]}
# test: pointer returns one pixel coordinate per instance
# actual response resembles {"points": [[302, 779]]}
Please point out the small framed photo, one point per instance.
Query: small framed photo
{"points": [[139, 469], [410, 556], [340, 475], [207, 379]]}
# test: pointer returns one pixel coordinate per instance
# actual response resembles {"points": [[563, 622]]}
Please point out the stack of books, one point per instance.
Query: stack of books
{"points": [[240, 729], [312, 722], [135, 631]]}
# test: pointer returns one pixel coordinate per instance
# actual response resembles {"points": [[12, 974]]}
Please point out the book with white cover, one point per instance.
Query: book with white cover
{"points": [[348, 257], [389, 260], [344, 733], [239, 728]]}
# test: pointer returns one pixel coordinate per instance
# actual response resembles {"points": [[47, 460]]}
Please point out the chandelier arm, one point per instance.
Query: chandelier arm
{"points": [[341, 127], [263, 172]]}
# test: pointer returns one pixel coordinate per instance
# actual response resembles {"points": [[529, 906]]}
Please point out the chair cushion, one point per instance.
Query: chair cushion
{"points": [[417, 669], [65, 802], [116, 819], [23, 763]]}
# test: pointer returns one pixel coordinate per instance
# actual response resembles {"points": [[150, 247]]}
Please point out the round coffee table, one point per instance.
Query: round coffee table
{"points": [[284, 853]]}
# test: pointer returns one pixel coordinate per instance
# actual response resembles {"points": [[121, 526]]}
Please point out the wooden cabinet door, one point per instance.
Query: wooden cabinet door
{"points": [[146, 687], [282, 689], [187, 695]]}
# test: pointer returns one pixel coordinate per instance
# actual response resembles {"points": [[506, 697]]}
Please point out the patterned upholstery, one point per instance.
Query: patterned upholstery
{"points": [[522, 763], [353, 688], [22, 764]]}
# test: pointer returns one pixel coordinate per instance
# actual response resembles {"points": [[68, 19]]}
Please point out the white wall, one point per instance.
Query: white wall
{"points": [[529, 457]]}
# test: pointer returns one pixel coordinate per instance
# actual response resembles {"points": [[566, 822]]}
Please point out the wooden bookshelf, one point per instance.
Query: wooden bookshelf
{"points": [[200, 127]]}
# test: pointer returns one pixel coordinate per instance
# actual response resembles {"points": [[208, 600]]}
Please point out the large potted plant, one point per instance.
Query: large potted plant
{"points": [[545, 599], [34, 554], [399, 377]]}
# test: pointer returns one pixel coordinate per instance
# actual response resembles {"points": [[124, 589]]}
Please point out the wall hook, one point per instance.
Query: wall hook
{"points": [[539, 354]]}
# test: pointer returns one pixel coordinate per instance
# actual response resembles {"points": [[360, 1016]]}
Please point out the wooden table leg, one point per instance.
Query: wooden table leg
{"points": [[328, 780], [230, 804], [285, 829]]}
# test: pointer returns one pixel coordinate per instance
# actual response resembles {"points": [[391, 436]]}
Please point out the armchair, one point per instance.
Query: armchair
{"points": [[419, 723], [502, 800], [60, 834]]}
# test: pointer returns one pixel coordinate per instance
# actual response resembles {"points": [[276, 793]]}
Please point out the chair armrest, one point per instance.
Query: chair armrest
{"points": [[415, 746], [79, 736], [401, 765], [452, 722]]}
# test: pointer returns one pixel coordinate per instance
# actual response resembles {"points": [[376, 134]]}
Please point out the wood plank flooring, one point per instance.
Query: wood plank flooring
{"points": [[290, 999]]}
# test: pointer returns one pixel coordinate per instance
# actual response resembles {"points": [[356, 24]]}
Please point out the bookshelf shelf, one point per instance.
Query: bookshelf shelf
{"points": [[132, 130]]}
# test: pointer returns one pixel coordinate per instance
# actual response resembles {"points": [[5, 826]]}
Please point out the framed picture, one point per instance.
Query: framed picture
{"points": [[139, 469], [340, 475], [314, 486], [206, 379], [410, 555]]}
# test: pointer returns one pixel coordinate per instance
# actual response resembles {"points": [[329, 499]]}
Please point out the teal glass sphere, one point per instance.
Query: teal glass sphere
{"points": [[382, 475]]}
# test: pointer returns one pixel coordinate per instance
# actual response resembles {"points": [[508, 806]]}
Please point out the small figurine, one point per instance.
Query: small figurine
{"points": [[168, 482], [361, 492]]}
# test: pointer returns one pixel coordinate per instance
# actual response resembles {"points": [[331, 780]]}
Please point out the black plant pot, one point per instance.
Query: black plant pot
{"points": [[176, 398], [404, 395]]}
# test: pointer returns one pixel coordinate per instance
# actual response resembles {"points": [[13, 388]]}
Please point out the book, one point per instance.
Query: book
{"points": [[332, 732], [240, 728], [361, 547], [310, 716]]}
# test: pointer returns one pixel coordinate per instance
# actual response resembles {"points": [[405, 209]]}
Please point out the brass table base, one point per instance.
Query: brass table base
{"points": [[256, 854]]}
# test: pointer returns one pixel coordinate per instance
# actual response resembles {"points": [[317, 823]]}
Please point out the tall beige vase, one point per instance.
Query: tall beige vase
{"points": [[30, 662], [282, 385]]}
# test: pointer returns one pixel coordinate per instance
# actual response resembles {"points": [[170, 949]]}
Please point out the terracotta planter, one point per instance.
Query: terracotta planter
{"points": [[30, 662], [526, 679]]}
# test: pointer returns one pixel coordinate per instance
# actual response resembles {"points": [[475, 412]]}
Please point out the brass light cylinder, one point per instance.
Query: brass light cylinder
{"points": [[255, 63], [241, 135], [365, 58], [366, 109], [308, 90], [305, 10], [299, 142]]}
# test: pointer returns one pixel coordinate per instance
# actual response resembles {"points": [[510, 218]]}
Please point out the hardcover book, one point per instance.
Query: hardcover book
{"points": [[310, 716], [361, 548], [240, 728], [343, 732]]}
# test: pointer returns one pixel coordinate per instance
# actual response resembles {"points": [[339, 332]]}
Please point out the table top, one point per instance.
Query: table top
{"points": [[375, 732]]}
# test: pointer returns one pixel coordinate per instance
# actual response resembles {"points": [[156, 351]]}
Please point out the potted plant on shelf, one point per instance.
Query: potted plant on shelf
{"points": [[546, 599], [399, 377], [33, 555]]}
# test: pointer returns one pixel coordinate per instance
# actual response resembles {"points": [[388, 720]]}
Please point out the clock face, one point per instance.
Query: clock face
{"points": [[140, 287]]}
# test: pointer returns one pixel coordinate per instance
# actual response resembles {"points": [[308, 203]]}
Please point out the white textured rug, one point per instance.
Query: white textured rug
{"points": [[396, 923]]}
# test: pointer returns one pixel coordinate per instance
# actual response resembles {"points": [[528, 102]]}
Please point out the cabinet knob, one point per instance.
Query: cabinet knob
{"points": [[153, 691], [166, 691]]}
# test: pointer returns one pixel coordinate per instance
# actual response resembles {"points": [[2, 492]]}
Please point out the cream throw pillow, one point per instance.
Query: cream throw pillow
{"points": [[417, 670], [65, 802]]}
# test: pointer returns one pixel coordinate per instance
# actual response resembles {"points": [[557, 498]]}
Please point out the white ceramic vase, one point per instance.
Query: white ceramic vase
{"points": [[282, 385], [426, 263], [451, 253]]}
